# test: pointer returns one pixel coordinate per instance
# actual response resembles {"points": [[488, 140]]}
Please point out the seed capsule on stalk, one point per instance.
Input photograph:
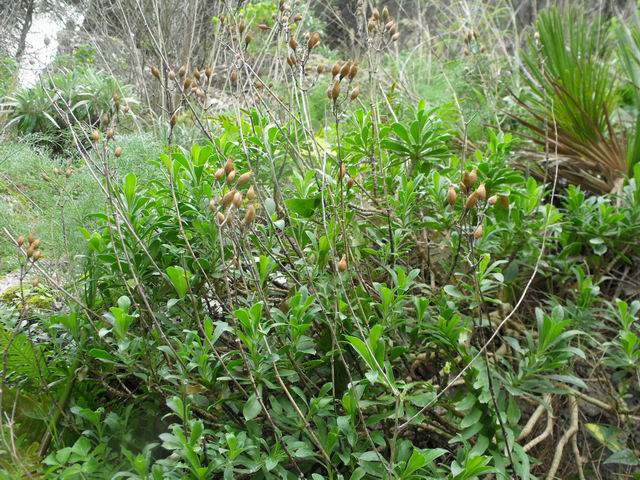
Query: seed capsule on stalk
{"points": [[155, 72], [219, 175], [335, 91], [251, 193], [249, 216], [354, 93], [212, 205], [182, 71], [346, 68], [482, 192], [320, 69], [172, 75], [228, 166], [237, 199], [31, 238], [493, 199], [471, 201], [20, 240], [477, 233], [335, 70], [375, 14], [233, 76], [95, 135], [231, 176], [110, 133], [314, 40], [395, 37], [244, 178], [293, 43], [385, 13], [173, 120], [220, 218], [353, 71], [228, 198], [343, 171], [342, 264], [452, 195]]}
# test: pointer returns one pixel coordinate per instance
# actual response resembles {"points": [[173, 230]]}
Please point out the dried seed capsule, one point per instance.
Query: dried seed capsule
{"points": [[371, 25], [36, 243], [187, 83], [95, 135], [477, 233], [471, 201], [389, 24], [208, 72], [385, 13], [212, 205], [395, 37], [244, 178], [375, 14], [231, 176], [335, 70], [342, 172], [31, 238], [37, 255], [182, 71], [110, 133], [228, 166], [68, 172], [56, 171], [249, 216], [346, 68], [228, 198], [469, 179], [220, 218], [291, 60], [247, 39], [354, 93], [20, 240], [293, 43], [30, 251], [173, 120], [452, 196], [219, 174], [335, 91], [314, 40], [296, 18], [233, 76], [320, 69], [342, 264], [242, 26], [263, 26], [237, 199], [353, 71], [482, 192], [172, 75], [155, 72], [493, 199], [251, 193]]}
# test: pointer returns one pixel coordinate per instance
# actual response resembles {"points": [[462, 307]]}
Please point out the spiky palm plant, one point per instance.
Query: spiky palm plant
{"points": [[572, 94]]}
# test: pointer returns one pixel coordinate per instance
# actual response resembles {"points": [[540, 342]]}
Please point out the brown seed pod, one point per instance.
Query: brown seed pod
{"points": [[371, 25], [220, 218], [231, 176], [259, 85], [471, 201], [30, 251], [296, 18], [68, 172], [293, 43], [233, 76], [247, 39], [31, 238], [467, 180], [237, 199], [56, 171], [228, 198], [375, 14], [20, 240], [342, 264], [219, 174], [208, 72], [452, 196], [342, 171], [395, 37], [350, 183], [172, 75], [335, 70], [242, 26], [36, 243], [477, 233], [385, 13], [493, 199], [473, 177], [173, 120], [244, 178], [196, 74], [118, 151], [482, 192], [95, 135], [182, 71], [354, 93], [291, 60], [251, 193], [264, 26], [346, 68], [389, 24], [335, 91], [353, 71], [212, 204], [110, 133], [249, 216], [228, 166], [504, 201], [188, 82], [314, 40], [155, 72], [320, 69]]}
